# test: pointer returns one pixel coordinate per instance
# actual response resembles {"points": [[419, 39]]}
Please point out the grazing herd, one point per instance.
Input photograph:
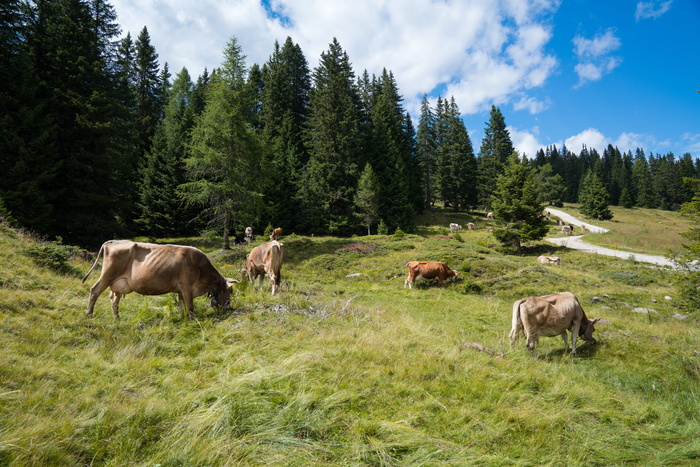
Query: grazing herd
{"points": [[151, 269]]}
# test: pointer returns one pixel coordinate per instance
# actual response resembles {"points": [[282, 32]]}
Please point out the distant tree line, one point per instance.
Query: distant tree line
{"points": [[97, 140]]}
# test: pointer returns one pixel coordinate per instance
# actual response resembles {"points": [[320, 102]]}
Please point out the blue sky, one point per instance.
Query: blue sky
{"points": [[573, 72]]}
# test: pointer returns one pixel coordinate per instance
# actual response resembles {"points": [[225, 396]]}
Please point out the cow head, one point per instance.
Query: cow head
{"points": [[222, 297], [586, 330]]}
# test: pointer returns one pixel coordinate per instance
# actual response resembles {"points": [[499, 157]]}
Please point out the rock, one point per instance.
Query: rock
{"points": [[653, 300], [596, 299], [668, 298], [679, 316], [356, 274]]}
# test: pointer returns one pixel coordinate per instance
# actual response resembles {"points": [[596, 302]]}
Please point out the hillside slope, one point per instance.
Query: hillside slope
{"points": [[341, 370]]}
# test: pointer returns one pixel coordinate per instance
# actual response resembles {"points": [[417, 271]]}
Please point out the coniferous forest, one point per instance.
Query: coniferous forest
{"points": [[100, 140]]}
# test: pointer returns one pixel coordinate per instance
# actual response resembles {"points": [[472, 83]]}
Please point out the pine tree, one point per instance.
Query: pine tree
{"points": [[427, 150], [516, 207], [457, 173], [551, 186], [71, 52], [496, 148], [284, 111], [367, 198], [161, 210], [225, 161], [595, 198], [329, 179]]}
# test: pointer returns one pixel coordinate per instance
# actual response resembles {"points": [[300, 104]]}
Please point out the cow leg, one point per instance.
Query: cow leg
{"points": [[95, 291], [114, 297], [565, 338], [189, 305], [574, 335], [181, 305]]}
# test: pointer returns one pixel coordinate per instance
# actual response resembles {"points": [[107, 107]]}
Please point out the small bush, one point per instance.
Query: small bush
{"points": [[636, 279], [471, 287], [50, 255], [398, 233]]}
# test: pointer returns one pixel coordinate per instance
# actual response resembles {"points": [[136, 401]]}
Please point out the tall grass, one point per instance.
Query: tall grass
{"points": [[341, 370]]}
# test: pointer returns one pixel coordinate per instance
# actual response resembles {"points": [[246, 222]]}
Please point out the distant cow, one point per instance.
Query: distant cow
{"points": [[551, 315], [549, 259], [427, 270], [455, 227], [470, 226], [248, 235], [566, 230], [266, 259], [489, 215], [150, 269], [276, 234]]}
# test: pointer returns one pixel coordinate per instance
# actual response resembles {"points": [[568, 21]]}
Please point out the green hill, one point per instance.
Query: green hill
{"points": [[340, 370]]}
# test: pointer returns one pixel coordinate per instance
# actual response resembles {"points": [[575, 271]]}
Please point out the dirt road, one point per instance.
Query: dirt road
{"points": [[576, 243]]}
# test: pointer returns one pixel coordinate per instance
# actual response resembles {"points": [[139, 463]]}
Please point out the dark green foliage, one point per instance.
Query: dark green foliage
{"points": [[594, 198], [516, 207], [496, 148], [329, 179], [633, 278], [367, 197], [551, 186], [689, 285]]}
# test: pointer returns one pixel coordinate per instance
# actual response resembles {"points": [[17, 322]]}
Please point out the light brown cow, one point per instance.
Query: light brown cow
{"points": [[566, 229], [150, 269], [549, 259], [551, 315], [470, 226], [427, 270], [266, 259], [276, 234], [248, 235], [489, 215]]}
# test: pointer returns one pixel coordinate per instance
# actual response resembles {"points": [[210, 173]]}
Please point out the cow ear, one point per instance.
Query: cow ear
{"points": [[595, 320], [230, 282]]}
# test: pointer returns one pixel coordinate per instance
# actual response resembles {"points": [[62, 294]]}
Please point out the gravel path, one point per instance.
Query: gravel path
{"points": [[576, 243]]}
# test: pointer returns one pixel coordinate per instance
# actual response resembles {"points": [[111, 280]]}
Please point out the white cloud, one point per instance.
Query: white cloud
{"points": [[593, 56], [525, 142], [480, 51], [652, 10], [591, 138]]}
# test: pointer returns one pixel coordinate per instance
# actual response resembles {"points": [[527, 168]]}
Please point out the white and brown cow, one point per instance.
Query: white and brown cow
{"points": [[427, 270], [455, 227], [266, 259], [489, 215], [149, 269], [551, 315], [248, 235], [549, 259], [276, 234], [470, 226]]}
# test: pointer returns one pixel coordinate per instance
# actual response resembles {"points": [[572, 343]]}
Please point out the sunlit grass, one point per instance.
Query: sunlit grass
{"points": [[639, 230], [339, 370]]}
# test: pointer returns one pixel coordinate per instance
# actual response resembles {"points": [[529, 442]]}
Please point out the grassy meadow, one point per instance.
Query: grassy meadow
{"points": [[348, 369]]}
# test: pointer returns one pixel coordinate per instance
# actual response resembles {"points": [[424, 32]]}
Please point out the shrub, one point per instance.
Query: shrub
{"points": [[52, 255], [636, 279]]}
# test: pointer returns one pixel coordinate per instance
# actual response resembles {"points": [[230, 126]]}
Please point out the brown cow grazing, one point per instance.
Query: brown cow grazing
{"points": [[150, 269], [276, 234], [549, 259], [566, 230], [470, 226], [551, 315], [266, 259], [427, 270], [248, 235]]}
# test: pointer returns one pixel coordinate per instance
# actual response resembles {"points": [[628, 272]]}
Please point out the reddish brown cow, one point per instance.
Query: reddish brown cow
{"points": [[150, 269], [427, 270], [266, 259], [551, 315], [276, 234]]}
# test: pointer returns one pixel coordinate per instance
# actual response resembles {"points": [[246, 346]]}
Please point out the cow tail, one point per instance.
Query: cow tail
{"points": [[517, 323], [95, 263]]}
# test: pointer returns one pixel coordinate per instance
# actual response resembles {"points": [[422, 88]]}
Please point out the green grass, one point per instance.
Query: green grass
{"points": [[651, 231], [343, 370]]}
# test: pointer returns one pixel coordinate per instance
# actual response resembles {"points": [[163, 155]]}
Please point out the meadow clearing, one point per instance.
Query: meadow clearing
{"points": [[345, 366]]}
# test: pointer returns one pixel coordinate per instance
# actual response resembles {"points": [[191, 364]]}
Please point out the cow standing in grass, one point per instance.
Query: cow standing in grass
{"points": [[551, 315], [266, 259], [427, 270], [149, 269]]}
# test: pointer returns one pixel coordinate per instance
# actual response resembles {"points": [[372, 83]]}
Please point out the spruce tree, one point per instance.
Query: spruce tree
{"points": [[688, 285], [551, 186], [427, 150], [161, 210], [594, 198], [284, 111], [496, 148], [516, 206], [329, 179]]}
